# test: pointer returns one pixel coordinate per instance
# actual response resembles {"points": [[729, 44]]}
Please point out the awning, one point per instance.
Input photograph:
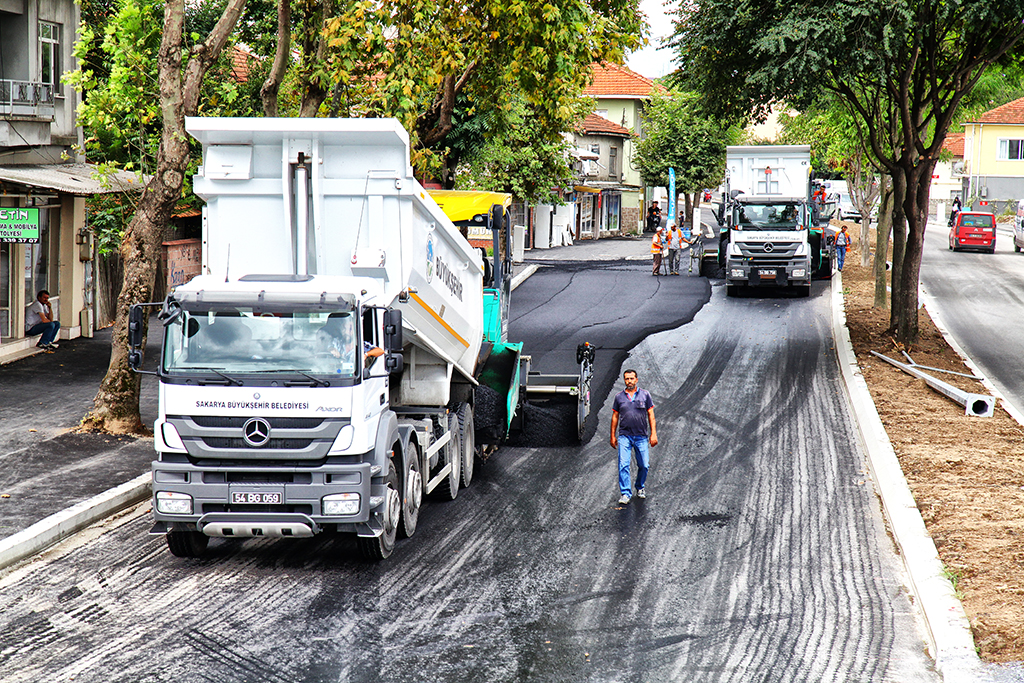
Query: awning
{"points": [[581, 153], [584, 188], [76, 179]]}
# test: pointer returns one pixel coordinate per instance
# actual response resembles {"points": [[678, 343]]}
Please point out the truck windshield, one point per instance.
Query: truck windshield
{"points": [[768, 216], [240, 341]]}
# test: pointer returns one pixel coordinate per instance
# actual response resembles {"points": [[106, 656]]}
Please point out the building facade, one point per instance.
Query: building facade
{"points": [[44, 240], [620, 96], [601, 191], [994, 158]]}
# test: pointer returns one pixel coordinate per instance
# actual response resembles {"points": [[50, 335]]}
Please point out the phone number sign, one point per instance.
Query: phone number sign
{"points": [[19, 225]]}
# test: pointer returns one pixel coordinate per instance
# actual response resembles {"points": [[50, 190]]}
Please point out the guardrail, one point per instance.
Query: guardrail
{"points": [[26, 98]]}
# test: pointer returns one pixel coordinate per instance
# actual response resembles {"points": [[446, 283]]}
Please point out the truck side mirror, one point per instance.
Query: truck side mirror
{"points": [[393, 360], [393, 331], [136, 325]]}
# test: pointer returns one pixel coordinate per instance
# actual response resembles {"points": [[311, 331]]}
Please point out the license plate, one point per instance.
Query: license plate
{"points": [[766, 272], [255, 498]]}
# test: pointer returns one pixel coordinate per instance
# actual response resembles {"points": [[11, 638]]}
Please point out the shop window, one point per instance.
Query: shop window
{"points": [[5, 290], [41, 258]]}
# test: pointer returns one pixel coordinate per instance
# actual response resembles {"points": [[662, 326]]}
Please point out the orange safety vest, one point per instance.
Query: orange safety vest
{"points": [[656, 243]]}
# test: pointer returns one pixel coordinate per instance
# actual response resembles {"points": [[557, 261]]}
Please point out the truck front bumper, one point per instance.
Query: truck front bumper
{"points": [[768, 275], [282, 502]]}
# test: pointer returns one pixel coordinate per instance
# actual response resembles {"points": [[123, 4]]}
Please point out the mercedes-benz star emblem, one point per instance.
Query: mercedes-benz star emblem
{"points": [[769, 247], [256, 432]]}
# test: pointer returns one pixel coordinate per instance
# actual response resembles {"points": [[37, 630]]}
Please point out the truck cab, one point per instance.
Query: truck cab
{"points": [[768, 244]]}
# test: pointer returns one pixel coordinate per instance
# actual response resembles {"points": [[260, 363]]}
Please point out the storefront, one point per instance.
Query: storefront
{"points": [[45, 243]]}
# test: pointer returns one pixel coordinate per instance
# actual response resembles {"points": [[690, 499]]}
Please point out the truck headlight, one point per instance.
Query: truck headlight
{"points": [[340, 504], [344, 440], [799, 272], [736, 272], [171, 503]]}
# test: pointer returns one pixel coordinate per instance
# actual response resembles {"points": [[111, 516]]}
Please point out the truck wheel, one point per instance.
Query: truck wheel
{"points": [[187, 543], [380, 548], [467, 439], [412, 482], [449, 488]]}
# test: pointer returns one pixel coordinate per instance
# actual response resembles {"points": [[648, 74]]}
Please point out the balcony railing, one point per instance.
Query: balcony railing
{"points": [[26, 98]]}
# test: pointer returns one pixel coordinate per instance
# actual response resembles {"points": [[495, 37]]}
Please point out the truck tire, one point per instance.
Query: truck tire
{"points": [[187, 543], [412, 483], [467, 441], [451, 453], [380, 547]]}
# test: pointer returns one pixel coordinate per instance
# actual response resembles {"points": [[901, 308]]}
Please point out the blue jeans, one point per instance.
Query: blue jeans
{"points": [[48, 330], [627, 446], [840, 256]]}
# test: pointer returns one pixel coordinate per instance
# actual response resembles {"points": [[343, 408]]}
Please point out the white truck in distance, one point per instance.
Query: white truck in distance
{"points": [[767, 217], [279, 415]]}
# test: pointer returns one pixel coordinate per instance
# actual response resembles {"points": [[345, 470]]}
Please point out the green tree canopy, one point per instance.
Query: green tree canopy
{"points": [[678, 136]]}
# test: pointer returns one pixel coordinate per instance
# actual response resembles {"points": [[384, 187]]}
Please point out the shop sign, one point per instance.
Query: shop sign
{"points": [[19, 225]]}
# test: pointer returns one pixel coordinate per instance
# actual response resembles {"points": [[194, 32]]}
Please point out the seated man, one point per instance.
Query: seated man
{"points": [[39, 320], [341, 343]]}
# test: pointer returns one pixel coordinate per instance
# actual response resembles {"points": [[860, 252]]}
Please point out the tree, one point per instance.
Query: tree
{"points": [[414, 59], [116, 406], [900, 66], [522, 159], [677, 136]]}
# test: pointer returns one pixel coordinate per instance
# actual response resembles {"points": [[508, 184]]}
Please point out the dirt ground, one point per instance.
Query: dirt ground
{"points": [[966, 473]]}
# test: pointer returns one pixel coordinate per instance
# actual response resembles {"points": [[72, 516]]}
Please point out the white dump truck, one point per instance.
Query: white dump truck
{"points": [[771, 235], [321, 374]]}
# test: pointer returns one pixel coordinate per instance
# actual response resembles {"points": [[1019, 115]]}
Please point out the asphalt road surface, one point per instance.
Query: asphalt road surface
{"points": [[760, 554], [980, 299]]}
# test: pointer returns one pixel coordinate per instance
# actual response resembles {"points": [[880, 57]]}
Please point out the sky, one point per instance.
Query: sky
{"points": [[650, 61]]}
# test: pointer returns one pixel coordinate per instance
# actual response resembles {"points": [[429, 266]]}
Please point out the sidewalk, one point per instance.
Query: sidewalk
{"points": [[45, 468]]}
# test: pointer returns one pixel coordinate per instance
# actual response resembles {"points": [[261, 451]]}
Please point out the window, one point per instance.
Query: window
{"points": [[603, 113], [41, 258], [1010, 150], [613, 162], [49, 54]]}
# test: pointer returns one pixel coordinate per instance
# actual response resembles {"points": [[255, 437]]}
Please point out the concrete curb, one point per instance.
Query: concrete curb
{"points": [[521, 277], [929, 303], [947, 627], [59, 526]]}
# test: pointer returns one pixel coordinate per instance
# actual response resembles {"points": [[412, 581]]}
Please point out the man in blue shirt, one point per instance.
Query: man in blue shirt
{"points": [[632, 414]]}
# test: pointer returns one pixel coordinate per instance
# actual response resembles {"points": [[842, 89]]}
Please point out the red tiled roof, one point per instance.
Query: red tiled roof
{"points": [[615, 80], [599, 125], [240, 63], [1011, 112], [954, 143]]}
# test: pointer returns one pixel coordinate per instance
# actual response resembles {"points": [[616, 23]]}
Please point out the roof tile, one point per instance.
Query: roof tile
{"points": [[1011, 112], [955, 144], [595, 124], [617, 81]]}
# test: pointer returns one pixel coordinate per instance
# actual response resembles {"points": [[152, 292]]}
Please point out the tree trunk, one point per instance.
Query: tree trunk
{"points": [[899, 242], [882, 230], [915, 210], [116, 406], [271, 86]]}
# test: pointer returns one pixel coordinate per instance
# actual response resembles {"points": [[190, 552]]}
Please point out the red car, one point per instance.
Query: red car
{"points": [[973, 230]]}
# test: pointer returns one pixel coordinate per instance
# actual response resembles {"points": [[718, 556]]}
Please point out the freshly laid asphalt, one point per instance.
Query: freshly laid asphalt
{"points": [[49, 469]]}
